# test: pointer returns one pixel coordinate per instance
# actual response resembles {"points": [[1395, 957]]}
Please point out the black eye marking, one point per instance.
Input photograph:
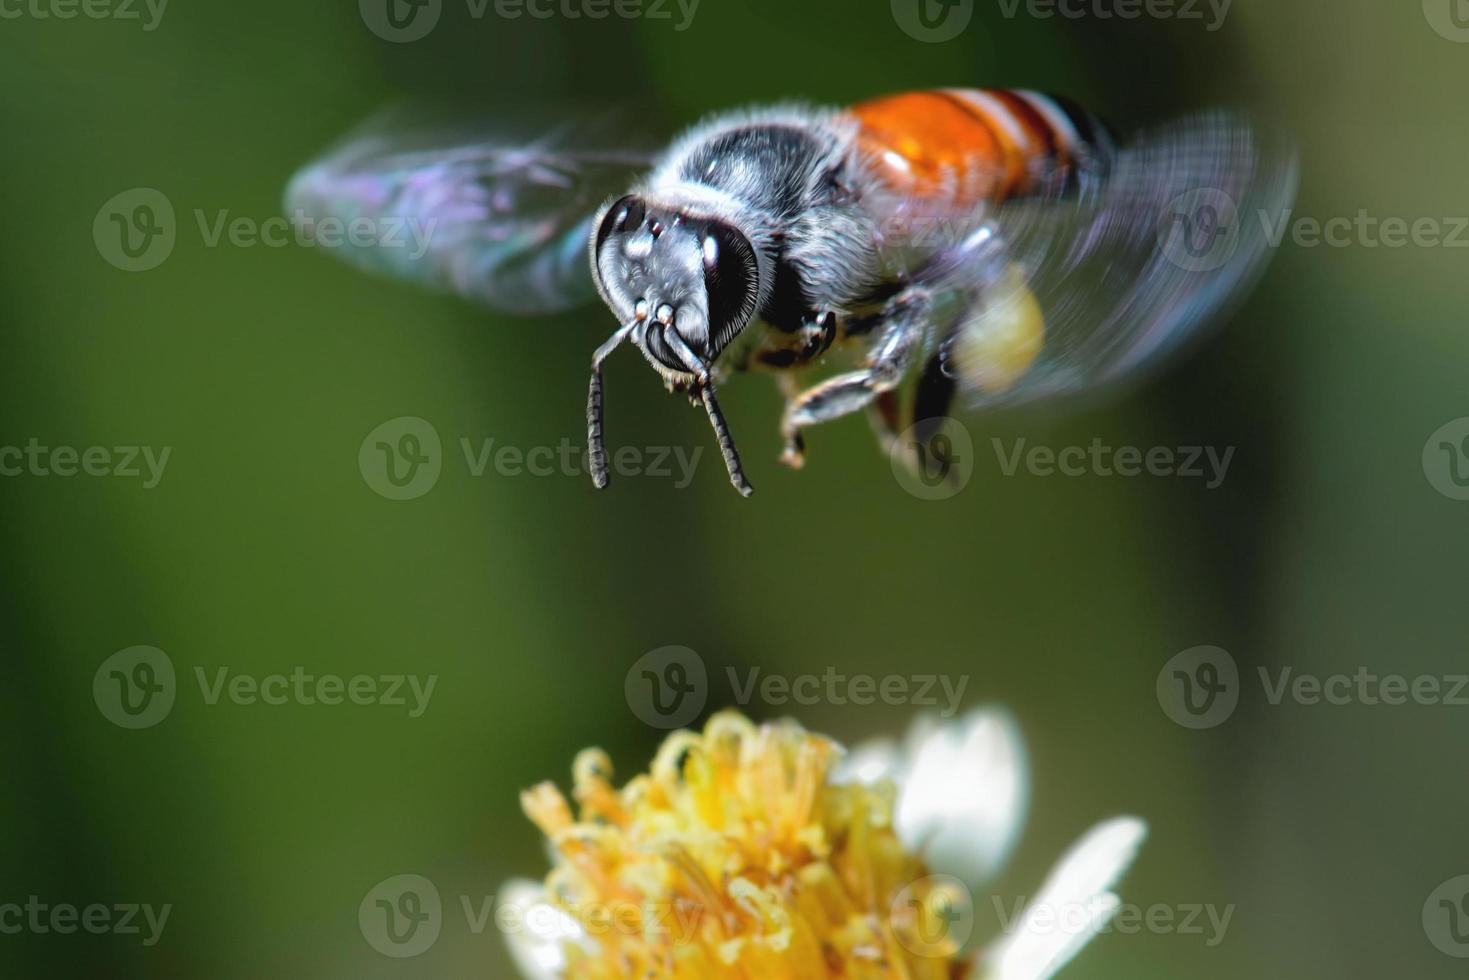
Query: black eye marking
{"points": [[626, 215], [729, 278]]}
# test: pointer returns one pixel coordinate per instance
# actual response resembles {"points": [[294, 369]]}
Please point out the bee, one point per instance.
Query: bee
{"points": [[992, 246]]}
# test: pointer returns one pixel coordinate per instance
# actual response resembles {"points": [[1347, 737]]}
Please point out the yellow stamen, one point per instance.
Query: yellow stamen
{"points": [[736, 857]]}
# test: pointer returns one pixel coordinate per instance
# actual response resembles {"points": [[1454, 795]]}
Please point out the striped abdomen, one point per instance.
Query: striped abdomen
{"points": [[962, 146]]}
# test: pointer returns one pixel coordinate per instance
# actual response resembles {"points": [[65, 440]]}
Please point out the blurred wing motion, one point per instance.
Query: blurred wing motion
{"points": [[503, 219], [1060, 296]]}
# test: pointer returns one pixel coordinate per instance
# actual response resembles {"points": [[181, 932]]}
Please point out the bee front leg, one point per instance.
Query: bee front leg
{"points": [[901, 330], [819, 332]]}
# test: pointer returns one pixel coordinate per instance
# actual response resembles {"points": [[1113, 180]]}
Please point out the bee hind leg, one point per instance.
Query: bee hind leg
{"points": [[885, 415], [901, 332]]}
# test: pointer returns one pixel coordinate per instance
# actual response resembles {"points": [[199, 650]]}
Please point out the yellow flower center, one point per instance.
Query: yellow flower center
{"points": [[736, 856]]}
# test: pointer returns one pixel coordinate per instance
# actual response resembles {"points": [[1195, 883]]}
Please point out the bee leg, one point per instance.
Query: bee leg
{"points": [[844, 394], [932, 398], [819, 332], [883, 413], [931, 401]]}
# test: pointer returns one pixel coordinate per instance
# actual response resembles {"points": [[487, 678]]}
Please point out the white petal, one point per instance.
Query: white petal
{"points": [[963, 798], [1075, 904], [869, 763], [536, 931]]}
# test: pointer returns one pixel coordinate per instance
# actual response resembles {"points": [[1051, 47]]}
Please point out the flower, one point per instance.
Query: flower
{"points": [[766, 852]]}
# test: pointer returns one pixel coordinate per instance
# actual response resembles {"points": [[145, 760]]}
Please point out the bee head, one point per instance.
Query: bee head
{"points": [[687, 284], [682, 287]]}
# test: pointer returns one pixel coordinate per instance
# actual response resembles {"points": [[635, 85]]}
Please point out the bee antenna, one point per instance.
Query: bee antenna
{"points": [[596, 447], [726, 443]]}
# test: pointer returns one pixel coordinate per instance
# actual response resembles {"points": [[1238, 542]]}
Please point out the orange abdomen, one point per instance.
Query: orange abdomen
{"points": [[962, 146]]}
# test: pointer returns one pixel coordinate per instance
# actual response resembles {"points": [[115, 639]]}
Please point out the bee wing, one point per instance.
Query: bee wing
{"points": [[500, 217], [1065, 296]]}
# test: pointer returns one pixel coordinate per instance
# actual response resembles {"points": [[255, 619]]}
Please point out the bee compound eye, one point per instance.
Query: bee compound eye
{"points": [[631, 214], [626, 215], [730, 281]]}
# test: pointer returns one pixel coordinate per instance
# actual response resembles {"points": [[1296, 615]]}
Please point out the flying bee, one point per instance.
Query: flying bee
{"points": [[995, 246]]}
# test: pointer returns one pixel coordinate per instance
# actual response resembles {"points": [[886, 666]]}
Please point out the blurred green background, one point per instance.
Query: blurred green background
{"points": [[263, 548]]}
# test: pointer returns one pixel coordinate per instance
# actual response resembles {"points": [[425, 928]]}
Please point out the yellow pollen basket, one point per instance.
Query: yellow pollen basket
{"points": [[997, 345], [737, 857]]}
